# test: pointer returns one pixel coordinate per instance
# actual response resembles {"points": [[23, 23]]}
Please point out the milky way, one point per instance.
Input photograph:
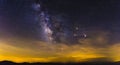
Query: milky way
{"points": [[52, 29]]}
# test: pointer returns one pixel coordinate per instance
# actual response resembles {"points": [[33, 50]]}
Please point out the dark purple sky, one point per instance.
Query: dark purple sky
{"points": [[17, 17]]}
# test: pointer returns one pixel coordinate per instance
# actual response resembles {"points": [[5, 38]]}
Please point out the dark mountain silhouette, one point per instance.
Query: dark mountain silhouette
{"points": [[83, 63], [7, 63]]}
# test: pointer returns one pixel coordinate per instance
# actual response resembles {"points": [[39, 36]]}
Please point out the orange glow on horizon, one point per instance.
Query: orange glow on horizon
{"points": [[44, 52]]}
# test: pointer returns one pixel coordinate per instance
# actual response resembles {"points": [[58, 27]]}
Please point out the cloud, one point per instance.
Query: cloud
{"points": [[94, 48], [50, 52]]}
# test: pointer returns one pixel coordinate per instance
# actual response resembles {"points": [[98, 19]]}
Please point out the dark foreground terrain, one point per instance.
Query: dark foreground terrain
{"points": [[88, 63]]}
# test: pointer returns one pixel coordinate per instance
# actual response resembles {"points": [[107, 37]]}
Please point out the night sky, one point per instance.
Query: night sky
{"points": [[59, 30]]}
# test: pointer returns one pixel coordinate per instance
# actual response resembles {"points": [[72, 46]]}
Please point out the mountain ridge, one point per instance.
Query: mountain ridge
{"points": [[56, 63]]}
